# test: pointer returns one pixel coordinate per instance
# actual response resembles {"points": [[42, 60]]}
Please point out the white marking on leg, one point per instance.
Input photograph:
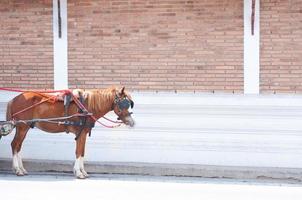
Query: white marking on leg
{"points": [[15, 162], [16, 166], [20, 163], [77, 168], [82, 167]]}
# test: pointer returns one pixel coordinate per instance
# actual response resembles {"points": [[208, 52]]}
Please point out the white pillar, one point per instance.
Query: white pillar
{"points": [[251, 48], [60, 50]]}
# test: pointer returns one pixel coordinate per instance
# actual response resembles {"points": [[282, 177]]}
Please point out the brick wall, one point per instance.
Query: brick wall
{"points": [[194, 45], [281, 46], [26, 50]]}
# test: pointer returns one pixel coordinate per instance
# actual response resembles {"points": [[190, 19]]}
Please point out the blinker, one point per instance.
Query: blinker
{"points": [[124, 104], [131, 103]]}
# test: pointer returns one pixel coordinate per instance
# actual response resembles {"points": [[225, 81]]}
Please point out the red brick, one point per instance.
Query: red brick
{"points": [[26, 44], [280, 70], [151, 42]]}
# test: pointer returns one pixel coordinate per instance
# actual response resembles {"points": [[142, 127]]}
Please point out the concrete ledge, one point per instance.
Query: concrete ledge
{"points": [[287, 175]]}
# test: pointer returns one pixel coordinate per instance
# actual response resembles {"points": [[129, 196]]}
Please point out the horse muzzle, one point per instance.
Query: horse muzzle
{"points": [[129, 121]]}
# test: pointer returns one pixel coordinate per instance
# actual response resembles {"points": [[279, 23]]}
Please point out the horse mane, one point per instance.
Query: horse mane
{"points": [[99, 100]]}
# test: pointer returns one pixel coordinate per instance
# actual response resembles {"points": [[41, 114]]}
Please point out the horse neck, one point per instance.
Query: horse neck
{"points": [[101, 104], [100, 113]]}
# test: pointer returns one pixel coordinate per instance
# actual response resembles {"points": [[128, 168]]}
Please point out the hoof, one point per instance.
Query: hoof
{"points": [[81, 176], [85, 173], [19, 172], [24, 171], [78, 174]]}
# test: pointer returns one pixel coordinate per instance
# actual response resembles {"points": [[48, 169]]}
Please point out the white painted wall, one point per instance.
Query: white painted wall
{"points": [[251, 49], [207, 129], [60, 48]]}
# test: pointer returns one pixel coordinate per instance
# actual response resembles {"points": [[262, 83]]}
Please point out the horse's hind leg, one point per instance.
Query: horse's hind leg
{"points": [[16, 145]]}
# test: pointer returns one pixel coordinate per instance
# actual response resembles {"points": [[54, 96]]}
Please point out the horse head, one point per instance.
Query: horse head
{"points": [[122, 103]]}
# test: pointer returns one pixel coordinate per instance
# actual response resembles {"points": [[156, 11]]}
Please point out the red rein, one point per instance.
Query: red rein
{"points": [[79, 104], [41, 91]]}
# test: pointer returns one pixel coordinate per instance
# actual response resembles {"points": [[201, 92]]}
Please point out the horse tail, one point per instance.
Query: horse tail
{"points": [[9, 111], [6, 127]]}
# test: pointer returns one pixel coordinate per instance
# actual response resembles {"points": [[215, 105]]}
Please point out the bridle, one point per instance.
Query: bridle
{"points": [[123, 103]]}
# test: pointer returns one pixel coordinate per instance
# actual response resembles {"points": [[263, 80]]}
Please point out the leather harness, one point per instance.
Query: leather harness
{"points": [[83, 122]]}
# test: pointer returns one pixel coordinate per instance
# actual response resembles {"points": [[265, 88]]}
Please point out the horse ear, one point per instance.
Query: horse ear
{"points": [[122, 90]]}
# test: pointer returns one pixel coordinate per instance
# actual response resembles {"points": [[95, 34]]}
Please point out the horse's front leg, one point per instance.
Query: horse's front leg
{"points": [[82, 167], [78, 168]]}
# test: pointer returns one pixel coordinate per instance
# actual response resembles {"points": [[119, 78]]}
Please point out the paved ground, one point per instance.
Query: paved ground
{"points": [[200, 129], [104, 187]]}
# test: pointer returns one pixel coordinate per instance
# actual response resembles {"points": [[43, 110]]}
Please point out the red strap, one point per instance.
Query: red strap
{"points": [[37, 91], [107, 126], [30, 107], [116, 122]]}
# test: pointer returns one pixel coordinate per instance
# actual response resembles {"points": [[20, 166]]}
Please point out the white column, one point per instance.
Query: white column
{"points": [[251, 49], [60, 46]]}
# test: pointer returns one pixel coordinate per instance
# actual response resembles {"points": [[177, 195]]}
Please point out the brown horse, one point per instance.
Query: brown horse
{"points": [[37, 106]]}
